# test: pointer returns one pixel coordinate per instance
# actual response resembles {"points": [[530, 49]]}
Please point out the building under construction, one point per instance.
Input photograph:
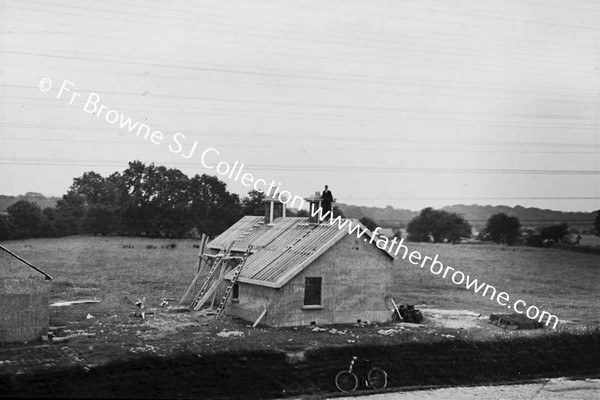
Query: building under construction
{"points": [[291, 271]]}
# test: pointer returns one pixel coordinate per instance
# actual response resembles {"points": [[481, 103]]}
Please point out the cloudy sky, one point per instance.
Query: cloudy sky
{"points": [[402, 103]]}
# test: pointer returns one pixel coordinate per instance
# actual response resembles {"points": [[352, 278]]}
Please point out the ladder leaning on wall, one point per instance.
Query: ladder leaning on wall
{"points": [[234, 279]]}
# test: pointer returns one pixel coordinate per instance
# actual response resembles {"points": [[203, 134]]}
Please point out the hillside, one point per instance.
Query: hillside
{"points": [[476, 215], [37, 198]]}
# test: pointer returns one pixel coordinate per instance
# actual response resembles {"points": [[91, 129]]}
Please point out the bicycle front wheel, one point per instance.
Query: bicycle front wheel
{"points": [[346, 381], [377, 378]]}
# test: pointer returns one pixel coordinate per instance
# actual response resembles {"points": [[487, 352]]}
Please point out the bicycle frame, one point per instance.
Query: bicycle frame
{"points": [[364, 373]]}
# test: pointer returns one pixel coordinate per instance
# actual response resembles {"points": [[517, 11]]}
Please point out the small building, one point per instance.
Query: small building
{"points": [[24, 300], [302, 271]]}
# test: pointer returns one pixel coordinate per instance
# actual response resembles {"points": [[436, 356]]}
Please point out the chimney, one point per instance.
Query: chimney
{"points": [[314, 203], [274, 208]]}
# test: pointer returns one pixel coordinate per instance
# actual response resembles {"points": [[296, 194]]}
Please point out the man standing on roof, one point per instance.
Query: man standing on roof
{"points": [[327, 199]]}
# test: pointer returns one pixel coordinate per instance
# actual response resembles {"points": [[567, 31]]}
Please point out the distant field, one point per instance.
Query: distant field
{"points": [[94, 266], [562, 282], [588, 240]]}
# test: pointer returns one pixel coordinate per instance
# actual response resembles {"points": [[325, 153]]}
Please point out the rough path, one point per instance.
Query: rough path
{"points": [[552, 389]]}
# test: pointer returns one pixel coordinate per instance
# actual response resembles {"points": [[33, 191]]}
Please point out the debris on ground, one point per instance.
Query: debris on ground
{"points": [[225, 333], [141, 303], [64, 303], [164, 303], [514, 321], [317, 329], [391, 331], [72, 336], [89, 316], [164, 325], [334, 331], [141, 314], [408, 313], [410, 325], [453, 319]]}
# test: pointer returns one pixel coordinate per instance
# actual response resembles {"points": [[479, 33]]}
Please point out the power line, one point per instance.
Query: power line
{"points": [[549, 67], [282, 73], [315, 168], [341, 147], [379, 91], [276, 114], [220, 25], [318, 135]]}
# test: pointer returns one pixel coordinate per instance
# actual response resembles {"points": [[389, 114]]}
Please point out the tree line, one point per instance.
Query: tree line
{"points": [[441, 226], [155, 201], [143, 200]]}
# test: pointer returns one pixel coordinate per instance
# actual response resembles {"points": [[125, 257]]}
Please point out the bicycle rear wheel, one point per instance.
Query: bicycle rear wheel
{"points": [[346, 381], [377, 378]]}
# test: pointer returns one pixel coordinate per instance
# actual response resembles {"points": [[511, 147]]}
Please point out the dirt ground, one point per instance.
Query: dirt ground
{"points": [[93, 334], [107, 349]]}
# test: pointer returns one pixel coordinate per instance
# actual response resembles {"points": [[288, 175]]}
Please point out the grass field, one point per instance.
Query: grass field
{"points": [[564, 283]]}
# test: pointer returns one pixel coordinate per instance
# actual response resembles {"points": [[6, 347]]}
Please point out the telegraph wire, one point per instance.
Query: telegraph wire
{"points": [[304, 135], [314, 148], [315, 168], [326, 88], [220, 24], [321, 41]]}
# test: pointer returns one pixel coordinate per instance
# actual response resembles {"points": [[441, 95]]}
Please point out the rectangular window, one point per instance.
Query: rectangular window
{"points": [[312, 291], [235, 293]]}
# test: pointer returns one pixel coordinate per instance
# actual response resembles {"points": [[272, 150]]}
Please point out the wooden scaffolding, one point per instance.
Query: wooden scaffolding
{"points": [[223, 262]]}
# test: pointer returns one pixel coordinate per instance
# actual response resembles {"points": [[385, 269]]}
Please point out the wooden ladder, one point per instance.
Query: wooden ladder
{"points": [[236, 275], [215, 265]]}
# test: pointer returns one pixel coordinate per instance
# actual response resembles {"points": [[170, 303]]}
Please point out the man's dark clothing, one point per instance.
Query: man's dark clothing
{"points": [[327, 199]]}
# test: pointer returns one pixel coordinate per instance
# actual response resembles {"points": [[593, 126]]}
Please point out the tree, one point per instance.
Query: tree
{"points": [[302, 213], [337, 212], [368, 223], [556, 233], [153, 201], [253, 203], [7, 229], [212, 207], [501, 228], [28, 220], [597, 223], [439, 226]]}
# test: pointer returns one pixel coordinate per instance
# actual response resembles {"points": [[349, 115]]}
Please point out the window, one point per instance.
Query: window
{"points": [[235, 293], [312, 291]]}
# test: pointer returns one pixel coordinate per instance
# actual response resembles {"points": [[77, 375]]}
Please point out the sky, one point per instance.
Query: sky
{"points": [[403, 103]]}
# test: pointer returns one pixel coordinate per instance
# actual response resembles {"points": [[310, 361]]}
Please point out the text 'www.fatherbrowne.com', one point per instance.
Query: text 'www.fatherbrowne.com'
{"points": [[457, 277]]}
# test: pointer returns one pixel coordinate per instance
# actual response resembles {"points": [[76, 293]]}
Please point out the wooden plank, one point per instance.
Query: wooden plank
{"points": [[259, 318], [201, 252], [397, 311], [200, 264], [46, 276], [190, 290], [207, 295]]}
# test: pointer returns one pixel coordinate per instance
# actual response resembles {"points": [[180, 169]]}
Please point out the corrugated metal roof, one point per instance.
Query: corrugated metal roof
{"points": [[280, 250]]}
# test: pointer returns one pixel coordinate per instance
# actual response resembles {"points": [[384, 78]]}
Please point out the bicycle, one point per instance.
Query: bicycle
{"points": [[371, 377]]}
